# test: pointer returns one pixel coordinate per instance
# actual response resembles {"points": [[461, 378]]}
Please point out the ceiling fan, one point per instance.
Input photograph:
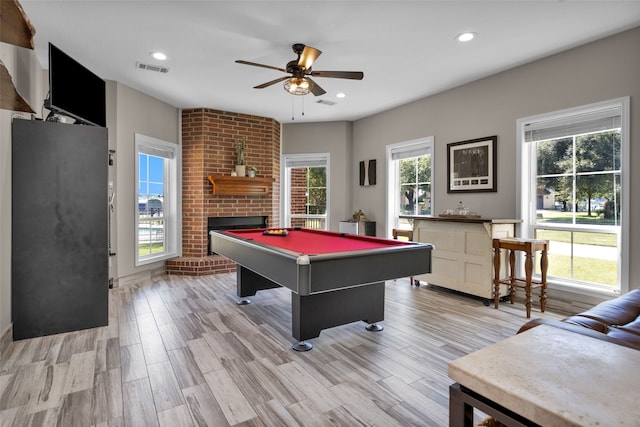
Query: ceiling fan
{"points": [[300, 82]]}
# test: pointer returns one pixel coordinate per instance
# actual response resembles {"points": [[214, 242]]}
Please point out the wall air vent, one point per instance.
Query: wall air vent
{"points": [[151, 67], [325, 102]]}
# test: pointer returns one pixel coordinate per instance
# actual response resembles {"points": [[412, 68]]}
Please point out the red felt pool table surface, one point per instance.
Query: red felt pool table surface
{"points": [[315, 242]]}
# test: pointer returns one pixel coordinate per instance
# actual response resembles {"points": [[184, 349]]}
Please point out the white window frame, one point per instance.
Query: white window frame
{"points": [[407, 149], [526, 182], [172, 198], [309, 159]]}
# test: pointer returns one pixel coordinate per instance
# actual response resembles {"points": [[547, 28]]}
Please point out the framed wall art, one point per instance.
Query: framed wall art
{"points": [[368, 172], [471, 165]]}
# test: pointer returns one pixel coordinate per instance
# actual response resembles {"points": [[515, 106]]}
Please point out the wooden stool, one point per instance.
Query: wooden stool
{"points": [[409, 235], [529, 247]]}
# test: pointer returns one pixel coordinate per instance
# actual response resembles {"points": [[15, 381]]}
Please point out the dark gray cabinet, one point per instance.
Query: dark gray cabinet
{"points": [[59, 230]]}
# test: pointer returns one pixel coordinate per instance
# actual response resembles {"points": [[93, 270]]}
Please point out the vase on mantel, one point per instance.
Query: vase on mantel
{"points": [[241, 169]]}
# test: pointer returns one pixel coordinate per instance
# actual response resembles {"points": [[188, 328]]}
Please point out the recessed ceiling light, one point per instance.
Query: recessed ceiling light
{"points": [[465, 37], [341, 95], [159, 56]]}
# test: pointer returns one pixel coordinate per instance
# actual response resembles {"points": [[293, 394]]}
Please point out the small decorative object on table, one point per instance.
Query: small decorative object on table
{"points": [[251, 171], [461, 211], [240, 146], [276, 232], [359, 215]]}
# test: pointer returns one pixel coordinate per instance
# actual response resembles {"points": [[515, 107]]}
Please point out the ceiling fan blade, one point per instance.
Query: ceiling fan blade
{"points": [[239, 61], [308, 57], [272, 82], [355, 75], [315, 88]]}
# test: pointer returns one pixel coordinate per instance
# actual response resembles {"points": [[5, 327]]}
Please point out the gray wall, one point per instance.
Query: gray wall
{"points": [[598, 71], [130, 112], [333, 138]]}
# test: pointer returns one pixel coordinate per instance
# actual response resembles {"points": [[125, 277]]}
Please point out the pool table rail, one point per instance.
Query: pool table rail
{"points": [[324, 272]]}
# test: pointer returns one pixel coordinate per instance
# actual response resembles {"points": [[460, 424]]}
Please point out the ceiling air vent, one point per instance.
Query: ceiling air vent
{"points": [[151, 67], [325, 102]]}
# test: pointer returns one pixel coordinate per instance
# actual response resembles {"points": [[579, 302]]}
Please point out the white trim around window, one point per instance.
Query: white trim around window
{"points": [[574, 118], [310, 160], [172, 197], [398, 151]]}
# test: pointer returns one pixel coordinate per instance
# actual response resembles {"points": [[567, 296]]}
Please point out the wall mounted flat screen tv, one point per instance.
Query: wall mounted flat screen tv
{"points": [[74, 90]]}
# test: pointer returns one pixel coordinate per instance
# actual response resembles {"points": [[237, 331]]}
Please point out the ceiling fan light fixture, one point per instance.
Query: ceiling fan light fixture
{"points": [[297, 82], [298, 86]]}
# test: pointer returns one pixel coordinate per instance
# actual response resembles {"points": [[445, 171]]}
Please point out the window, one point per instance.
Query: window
{"points": [[574, 193], [158, 217], [409, 174], [306, 193]]}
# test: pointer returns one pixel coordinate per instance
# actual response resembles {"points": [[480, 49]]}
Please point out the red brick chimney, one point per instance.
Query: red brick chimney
{"points": [[208, 147]]}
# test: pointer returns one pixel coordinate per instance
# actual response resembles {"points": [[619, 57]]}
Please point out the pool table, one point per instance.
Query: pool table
{"points": [[334, 278]]}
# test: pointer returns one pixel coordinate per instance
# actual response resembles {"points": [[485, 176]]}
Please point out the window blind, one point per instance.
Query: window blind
{"points": [[156, 151], [306, 162], [408, 151], [578, 124]]}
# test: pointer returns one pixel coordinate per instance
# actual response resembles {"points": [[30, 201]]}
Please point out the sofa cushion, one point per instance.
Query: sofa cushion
{"points": [[616, 337], [616, 320], [618, 311]]}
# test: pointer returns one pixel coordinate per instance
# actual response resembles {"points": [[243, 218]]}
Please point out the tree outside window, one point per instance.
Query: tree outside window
{"points": [[308, 196], [306, 190], [582, 175], [415, 185]]}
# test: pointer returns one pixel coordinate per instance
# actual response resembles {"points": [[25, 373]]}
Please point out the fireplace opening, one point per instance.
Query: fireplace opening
{"points": [[233, 223]]}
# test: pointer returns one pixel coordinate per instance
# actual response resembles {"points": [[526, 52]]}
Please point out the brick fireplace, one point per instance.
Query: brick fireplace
{"points": [[208, 147]]}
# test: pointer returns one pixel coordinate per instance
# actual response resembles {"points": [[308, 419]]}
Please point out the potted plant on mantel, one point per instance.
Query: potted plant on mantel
{"points": [[240, 146], [252, 171]]}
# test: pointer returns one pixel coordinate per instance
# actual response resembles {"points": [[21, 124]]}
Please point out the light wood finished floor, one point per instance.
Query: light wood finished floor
{"points": [[178, 351]]}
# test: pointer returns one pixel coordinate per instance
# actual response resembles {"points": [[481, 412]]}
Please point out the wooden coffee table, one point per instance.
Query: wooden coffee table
{"points": [[547, 376]]}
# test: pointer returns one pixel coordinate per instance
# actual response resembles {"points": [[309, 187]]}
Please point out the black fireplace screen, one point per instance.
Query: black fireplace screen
{"points": [[233, 223]]}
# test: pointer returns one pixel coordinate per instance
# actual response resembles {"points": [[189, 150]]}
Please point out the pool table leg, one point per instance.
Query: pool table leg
{"points": [[248, 283], [312, 313]]}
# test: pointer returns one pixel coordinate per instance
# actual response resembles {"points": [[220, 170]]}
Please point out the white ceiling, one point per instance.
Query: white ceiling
{"points": [[406, 49]]}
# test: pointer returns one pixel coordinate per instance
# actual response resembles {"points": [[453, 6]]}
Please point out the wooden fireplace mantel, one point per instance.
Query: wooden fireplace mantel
{"points": [[226, 185]]}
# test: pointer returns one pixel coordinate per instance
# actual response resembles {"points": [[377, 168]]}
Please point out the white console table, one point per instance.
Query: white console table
{"points": [[462, 259], [550, 377]]}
